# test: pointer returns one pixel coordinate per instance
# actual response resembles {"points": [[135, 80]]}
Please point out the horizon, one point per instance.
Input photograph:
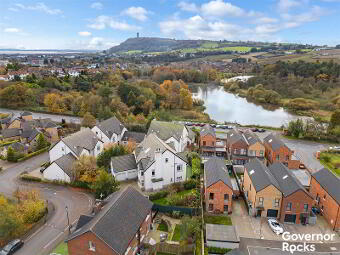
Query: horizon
{"points": [[101, 24]]}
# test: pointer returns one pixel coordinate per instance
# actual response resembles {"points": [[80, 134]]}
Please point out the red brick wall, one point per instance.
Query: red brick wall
{"points": [[283, 152], [219, 189], [330, 206], [298, 199], [209, 141]]}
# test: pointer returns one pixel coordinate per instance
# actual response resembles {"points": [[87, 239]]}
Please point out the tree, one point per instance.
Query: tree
{"points": [[11, 154], [296, 128], [104, 158], [104, 185], [41, 142], [196, 166], [335, 119], [54, 103], [88, 120], [190, 227], [85, 169]]}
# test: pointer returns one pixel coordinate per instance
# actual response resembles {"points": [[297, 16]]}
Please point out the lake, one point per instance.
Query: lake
{"points": [[223, 106]]}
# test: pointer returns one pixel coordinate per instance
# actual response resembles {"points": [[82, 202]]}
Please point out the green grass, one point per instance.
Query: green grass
{"points": [[189, 172], [331, 161], [164, 253], [164, 201], [163, 226], [209, 45], [218, 219], [61, 249], [177, 233]]}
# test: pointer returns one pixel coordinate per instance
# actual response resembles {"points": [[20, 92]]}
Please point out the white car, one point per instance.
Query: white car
{"points": [[275, 226]]}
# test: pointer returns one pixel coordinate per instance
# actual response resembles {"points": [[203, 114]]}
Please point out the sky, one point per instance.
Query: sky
{"points": [[101, 24]]}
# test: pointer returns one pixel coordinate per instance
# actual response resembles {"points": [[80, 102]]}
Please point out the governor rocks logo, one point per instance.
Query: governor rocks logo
{"points": [[304, 242]]}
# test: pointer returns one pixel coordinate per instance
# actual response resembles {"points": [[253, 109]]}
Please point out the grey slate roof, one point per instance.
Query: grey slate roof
{"points": [[124, 163], [286, 179], [6, 120], [83, 139], [274, 142], [207, 130], [111, 126], [329, 182], [261, 177], [215, 170], [11, 132], [252, 138], [165, 130], [83, 220], [137, 136], [26, 114], [119, 220], [17, 146], [66, 163], [235, 136]]}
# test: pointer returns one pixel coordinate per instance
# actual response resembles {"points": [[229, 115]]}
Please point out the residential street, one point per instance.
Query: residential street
{"points": [[55, 230]]}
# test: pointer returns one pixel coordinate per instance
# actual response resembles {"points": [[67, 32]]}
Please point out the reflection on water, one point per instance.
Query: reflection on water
{"points": [[223, 106]]}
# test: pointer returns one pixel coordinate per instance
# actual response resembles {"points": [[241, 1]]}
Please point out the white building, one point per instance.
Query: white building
{"points": [[110, 130], [175, 135], [61, 169], [158, 164], [124, 167]]}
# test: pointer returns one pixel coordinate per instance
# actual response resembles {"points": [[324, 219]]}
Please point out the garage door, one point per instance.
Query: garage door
{"points": [[290, 218], [272, 213]]}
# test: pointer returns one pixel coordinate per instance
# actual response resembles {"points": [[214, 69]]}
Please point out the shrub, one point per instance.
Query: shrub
{"points": [[30, 178], [30, 155], [158, 195], [80, 184], [189, 184], [218, 250]]}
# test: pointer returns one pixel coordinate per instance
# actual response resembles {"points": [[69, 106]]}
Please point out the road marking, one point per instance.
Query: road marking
{"points": [[53, 240], [35, 233]]}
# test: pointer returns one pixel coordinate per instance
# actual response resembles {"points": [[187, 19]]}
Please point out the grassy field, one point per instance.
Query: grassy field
{"points": [[331, 161], [61, 249], [177, 234], [217, 219]]}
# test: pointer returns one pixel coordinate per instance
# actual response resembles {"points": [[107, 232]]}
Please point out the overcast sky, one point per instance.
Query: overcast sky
{"points": [[86, 24]]}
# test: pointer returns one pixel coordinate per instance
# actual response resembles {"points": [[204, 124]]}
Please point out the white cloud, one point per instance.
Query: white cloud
{"points": [[286, 5], [84, 33], [11, 30], [38, 7], [100, 43], [220, 8], [266, 20], [97, 5], [189, 7], [138, 13], [102, 22]]}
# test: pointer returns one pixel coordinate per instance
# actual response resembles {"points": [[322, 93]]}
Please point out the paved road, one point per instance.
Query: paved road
{"points": [[55, 230], [37, 115]]}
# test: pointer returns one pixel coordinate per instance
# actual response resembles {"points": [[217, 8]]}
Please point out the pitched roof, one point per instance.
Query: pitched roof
{"points": [[252, 138], [119, 220], [83, 139], [328, 182], [235, 136], [286, 179], [111, 126], [11, 132], [123, 163], [207, 130], [215, 170], [165, 130], [66, 163], [137, 136], [83, 220], [274, 142], [26, 114], [260, 175]]}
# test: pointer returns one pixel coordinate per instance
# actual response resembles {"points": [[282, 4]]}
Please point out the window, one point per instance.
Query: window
{"points": [[277, 202], [92, 246], [213, 143], [62, 148], [277, 157], [226, 197], [250, 187], [261, 201], [141, 173], [252, 153], [166, 160], [98, 147], [179, 168], [261, 153], [305, 207], [211, 207], [324, 197], [153, 172], [179, 178], [289, 206], [211, 196], [287, 157], [317, 198], [96, 132], [225, 208], [204, 143]]}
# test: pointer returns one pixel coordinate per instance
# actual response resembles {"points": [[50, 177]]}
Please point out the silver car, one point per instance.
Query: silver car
{"points": [[275, 226]]}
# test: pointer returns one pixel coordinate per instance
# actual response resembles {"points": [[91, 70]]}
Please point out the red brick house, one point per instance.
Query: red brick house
{"points": [[207, 141], [325, 187], [218, 189], [278, 151], [296, 202], [118, 229], [237, 147]]}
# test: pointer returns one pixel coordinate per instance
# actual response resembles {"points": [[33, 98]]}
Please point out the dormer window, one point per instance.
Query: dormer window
{"points": [[166, 160]]}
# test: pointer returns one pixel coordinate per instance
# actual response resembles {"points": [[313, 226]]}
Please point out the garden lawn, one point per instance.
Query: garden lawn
{"points": [[163, 226], [217, 219], [164, 201], [61, 249], [177, 233], [332, 162]]}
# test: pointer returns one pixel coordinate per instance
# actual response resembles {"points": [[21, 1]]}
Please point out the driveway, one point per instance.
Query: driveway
{"points": [[55, 230]]}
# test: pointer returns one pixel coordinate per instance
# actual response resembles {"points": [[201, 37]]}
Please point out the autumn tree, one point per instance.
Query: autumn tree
{"points": [[88, 120], [85, 169], [41, 142], [54, 103], [104, 185]]}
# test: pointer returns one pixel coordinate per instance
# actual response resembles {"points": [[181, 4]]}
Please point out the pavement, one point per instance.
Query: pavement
{"points": [[47, 237]]}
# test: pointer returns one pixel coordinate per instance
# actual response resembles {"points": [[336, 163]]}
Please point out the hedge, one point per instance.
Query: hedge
{"points": [[189, 184], [30, 155], [158, 195], [30, 178], [7, 143], [218, 250]]}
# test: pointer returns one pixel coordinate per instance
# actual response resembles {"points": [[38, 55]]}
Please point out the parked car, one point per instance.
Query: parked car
{"points": [[163, 237], [334, 148], [302, 166], [254, 129], [275, 226], [12, 247], [261, 130]]}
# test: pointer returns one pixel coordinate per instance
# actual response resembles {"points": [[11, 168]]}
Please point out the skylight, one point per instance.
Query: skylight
{"points": [[270, 140], [231, 134], [252, 171], [147, 150], [285, 177]]}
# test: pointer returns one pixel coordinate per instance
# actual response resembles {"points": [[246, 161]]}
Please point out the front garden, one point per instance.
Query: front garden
{"points": [[331, 160]]}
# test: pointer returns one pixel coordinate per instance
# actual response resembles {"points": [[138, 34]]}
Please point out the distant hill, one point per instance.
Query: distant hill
{"points": [[154, 44]]}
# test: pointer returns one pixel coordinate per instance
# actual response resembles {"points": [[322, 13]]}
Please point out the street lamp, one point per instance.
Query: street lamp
{"points": [[68, 220]]}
